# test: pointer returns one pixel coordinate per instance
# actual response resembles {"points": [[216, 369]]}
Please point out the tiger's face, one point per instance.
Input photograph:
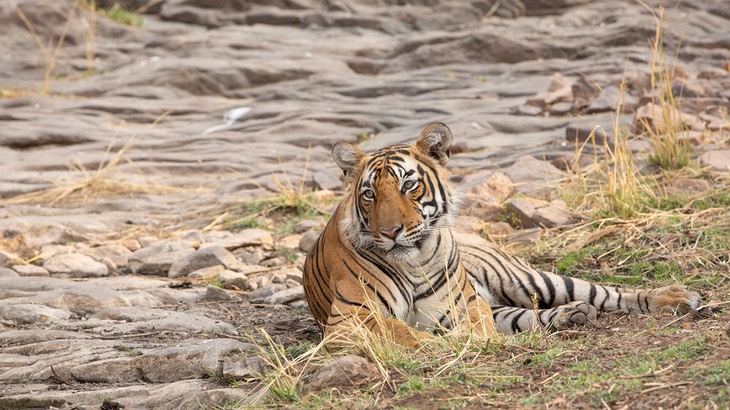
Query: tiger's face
{"points": [[398, 195]]}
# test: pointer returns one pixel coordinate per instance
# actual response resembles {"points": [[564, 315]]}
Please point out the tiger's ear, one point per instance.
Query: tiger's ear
{"points": [[435, 141], [346, 156]]}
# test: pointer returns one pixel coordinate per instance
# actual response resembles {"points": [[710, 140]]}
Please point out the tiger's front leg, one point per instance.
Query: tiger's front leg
{"points": [[339, 332]]}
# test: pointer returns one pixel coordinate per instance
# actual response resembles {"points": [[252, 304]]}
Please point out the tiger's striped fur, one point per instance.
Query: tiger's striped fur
{"points": [[388, 258]]}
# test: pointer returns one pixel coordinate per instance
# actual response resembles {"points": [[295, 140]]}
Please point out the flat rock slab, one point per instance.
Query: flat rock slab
{"points": [[534, 213]]}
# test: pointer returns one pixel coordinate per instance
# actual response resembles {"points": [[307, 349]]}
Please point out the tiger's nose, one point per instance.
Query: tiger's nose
{"points": [[392, 232]]}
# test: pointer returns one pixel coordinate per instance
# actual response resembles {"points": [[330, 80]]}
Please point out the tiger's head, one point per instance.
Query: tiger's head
{"points": [[397, 196]]}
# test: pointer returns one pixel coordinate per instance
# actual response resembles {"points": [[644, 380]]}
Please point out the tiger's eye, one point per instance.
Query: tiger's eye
{"points": [[368, 194], [408, 185]]}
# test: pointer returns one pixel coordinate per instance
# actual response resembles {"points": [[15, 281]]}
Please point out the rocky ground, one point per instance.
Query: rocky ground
{"points": [[138, 258]]}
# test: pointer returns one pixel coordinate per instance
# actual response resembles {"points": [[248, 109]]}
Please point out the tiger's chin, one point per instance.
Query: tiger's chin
{"points": [[400, 252]]}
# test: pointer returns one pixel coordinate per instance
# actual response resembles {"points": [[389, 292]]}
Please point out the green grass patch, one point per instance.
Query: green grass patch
{"points": [[120, 15]]}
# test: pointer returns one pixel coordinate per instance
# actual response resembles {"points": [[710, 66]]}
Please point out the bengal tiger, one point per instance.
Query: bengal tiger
{"points": [[388, 258]]}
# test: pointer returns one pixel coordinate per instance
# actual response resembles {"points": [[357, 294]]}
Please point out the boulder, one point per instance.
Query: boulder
{"points": [[75, 265], [343, 372], [203, 258], [535, 213], [157, 259]]}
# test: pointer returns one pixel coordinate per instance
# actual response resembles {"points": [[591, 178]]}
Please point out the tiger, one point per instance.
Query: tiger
{"points": [[388, 259]]}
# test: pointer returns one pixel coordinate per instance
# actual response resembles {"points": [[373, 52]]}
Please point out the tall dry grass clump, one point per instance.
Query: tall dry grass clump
{"points": [[665, 123]]}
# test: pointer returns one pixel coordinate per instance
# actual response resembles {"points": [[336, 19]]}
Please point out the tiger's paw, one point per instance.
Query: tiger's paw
{"points": [[673, 297], [573, 313]]}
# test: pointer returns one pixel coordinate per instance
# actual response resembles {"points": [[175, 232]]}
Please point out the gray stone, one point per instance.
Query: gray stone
{"points": [[77, 297], [343, 372], [308, 240], [327, 180], [8, 273], [582, 133], [203, 258], [534, 213], [611, 98], [113, 256], [243, 239], [8, 259], [243, 368], [194, 359], [30, 270], [75, 265], [141, 320], [309, 224], [158, 258], [40, 235], [719, 160], [28, 314], [237, 280], [483, 193], [654, 117], [533, 176], [285, 296], [207, 273], [263, 292], [294, 274]]}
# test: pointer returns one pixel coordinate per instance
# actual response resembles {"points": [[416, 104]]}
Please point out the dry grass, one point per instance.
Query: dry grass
{"points": [[102, 182]]}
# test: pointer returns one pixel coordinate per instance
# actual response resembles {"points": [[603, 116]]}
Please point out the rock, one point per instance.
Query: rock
{"points": [[651, 117], [585, 90], [77, 297], [290, 241], [534, 177], [14, 242], [8, 259], [309, 224], [131, 244], [499, 229], [527, 109], [688, 187], [193, 359], [531, 235], [75, 265], [128, 320], [8, 273], [294, 274], [327, 180], [215, 293], [264, 292], [469, 224], [534, 213], [277, 276], [561, 108], [29, 314], [484, 192], [203, 258], [40, 235], [30, 270], [243, 368], [207, 273], [158, 258], [559, 90], [48, 251], [244, 238], [113, 256], [580, 134], [236, 280], [639, 145], [612, 98], [719, 160], [285, 296], [308, 240], [343, 372]]}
